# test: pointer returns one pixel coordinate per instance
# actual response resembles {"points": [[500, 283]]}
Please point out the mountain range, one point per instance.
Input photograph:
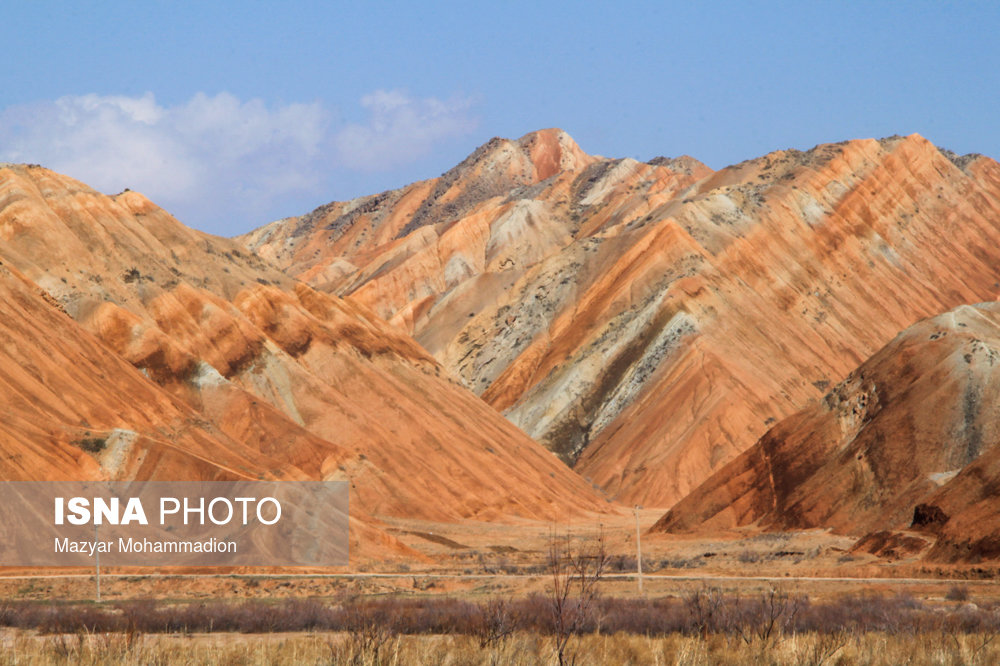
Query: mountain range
{"points": [[802, 340], [649, 322], [137, 348]]}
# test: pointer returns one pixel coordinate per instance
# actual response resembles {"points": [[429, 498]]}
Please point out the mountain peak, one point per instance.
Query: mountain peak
{"points": [[684, 164], [532, 158], [551, 151]]}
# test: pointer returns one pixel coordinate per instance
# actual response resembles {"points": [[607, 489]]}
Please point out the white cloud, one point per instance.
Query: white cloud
{"points": [[401, 129], [218, 162]]}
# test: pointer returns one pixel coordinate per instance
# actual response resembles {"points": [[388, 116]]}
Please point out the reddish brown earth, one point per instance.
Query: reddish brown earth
{"points": [[62, 388], [192, 358], [650, 321], [908, 442]]}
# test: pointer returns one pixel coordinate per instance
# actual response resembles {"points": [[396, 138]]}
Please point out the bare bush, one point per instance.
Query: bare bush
{"points": [[705, 607], [575, 573], [495, 622], [763, 619], [370, 629], [562, 619]]}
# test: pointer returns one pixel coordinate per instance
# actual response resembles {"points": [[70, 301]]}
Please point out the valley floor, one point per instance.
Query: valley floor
{"points": [[479, 560], [853, 608]]}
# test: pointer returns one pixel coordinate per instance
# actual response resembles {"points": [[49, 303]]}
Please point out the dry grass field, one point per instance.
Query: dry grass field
{"points": [[874, 649], [705, 625], [490, 594]]}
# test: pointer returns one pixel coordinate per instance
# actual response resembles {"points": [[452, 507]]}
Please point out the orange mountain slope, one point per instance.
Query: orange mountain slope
{"points": [[74, 410], [917, 425], [650, 321], [294, 382]]}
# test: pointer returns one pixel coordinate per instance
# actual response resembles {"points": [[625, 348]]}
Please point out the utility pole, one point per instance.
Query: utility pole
{"points": [[638, 547], [97, 558]]}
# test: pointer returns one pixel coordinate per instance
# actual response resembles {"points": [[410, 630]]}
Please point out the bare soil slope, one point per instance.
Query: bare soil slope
{"points": [[650, 321], [196, 343], [907, 442]]}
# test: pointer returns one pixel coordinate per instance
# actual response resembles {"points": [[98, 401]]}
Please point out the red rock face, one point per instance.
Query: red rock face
{"points": [[650, 322], [193, 358], [74, 410], [908, 440]]}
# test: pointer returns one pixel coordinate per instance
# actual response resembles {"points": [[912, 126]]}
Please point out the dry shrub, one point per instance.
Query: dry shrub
{"points": [[370, 629], [494, 623], [707, 611], [575, 573]]}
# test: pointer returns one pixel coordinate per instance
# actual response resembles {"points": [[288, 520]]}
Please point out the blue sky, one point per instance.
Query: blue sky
{"points": [[234, 114]]}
